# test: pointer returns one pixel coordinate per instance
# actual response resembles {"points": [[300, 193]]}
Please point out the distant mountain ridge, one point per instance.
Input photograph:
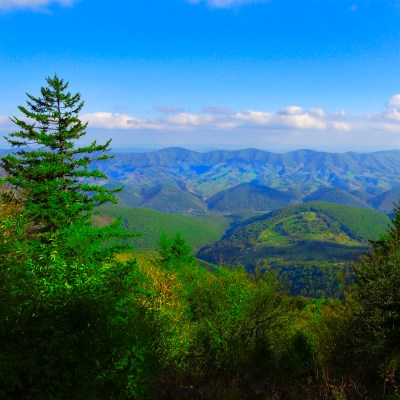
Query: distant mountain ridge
{"points": [[294, 158], [186, 181], [359, 179]]}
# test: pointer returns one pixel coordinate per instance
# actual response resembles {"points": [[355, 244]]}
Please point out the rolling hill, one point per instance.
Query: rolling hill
{"points": [[160, 197], [310, 231], [249, 197], [172, 200]]}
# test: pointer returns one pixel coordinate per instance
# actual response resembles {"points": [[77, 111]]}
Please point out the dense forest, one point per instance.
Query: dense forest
{"points": [[83, 316]]}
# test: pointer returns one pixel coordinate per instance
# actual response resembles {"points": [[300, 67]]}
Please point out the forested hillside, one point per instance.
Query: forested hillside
{"points": [[339, 196], [199, 231], [249, 197], [303, 232]]}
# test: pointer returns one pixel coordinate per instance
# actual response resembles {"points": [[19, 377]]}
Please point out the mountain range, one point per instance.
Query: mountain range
{"points": [[184, 181]]}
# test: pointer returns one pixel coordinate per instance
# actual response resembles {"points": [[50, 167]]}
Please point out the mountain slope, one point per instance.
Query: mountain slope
{"points": [[249, 197], [336, 195], [172, 200], [198, 231], [387, 200], [315, 230]]}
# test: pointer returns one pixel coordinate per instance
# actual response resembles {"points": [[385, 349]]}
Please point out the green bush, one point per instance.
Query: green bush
{"points": [[70, 328]]}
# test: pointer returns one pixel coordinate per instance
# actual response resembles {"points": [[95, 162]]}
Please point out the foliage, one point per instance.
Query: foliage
{"points": [[391, 238], [69, 327], [91, 327], [212, 325], [359, 224], [363, 347], [374, 318], [311, 278], [174, 251], [299, 242], [48, 169]]}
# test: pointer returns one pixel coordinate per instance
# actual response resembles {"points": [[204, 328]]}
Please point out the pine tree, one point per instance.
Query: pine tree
{"points": [[392, 236], [48, 173], [174, 251]]}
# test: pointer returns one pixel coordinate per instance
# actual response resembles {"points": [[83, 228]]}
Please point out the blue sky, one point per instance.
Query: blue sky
{"points": [[277, 74]]}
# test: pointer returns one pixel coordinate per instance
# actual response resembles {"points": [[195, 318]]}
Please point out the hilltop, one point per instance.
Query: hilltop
{"points": [[310, 231]]}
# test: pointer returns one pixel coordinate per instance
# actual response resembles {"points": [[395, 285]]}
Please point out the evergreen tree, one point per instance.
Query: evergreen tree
{"points": [[174, 251], [48, 173], [392, 236], [69, 318]]}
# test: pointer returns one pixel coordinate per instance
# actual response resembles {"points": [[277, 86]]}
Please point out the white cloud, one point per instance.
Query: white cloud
{"points": [[225, 3], [288, 128], [32, 4], [219, 118], [188, 120], [290, 117], [253, 118], [226, 125], [318, 112], [291, 110], [340, 126], [394, 102], [107, 120], [392, 112]]}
